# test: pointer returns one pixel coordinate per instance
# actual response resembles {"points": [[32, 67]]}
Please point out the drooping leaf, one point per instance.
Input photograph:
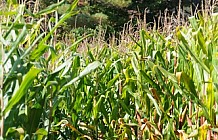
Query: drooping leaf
{"points": [[112, 81], [15, 44], [125, 107], [97, 107], [155, 104], [22, 90], [65, 64], [41, 133], [91, 67], [50, 8], [184, 39], [189, 83]]}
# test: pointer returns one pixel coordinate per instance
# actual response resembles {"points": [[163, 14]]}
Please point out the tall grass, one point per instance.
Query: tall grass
{"points": [[148, 84]]}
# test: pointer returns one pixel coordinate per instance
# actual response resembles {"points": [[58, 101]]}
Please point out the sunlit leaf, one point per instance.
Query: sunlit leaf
{"points": [[155, 104], [50, 8], [91, 67], [26, 83]]}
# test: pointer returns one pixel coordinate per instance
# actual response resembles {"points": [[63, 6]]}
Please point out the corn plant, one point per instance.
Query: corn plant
{"points": [[176, 88], [198, 48], [28, 56]]}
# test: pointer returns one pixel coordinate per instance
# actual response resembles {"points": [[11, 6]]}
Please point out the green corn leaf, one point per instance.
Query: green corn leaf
{"points": [[105, 113], [16, 43], [189, 83], [37, 53], [90, 54], [135, 64], [72, 47], [73, 6], [27, 52], [166, 73], [211, 99], [162, 61], [115, 109], [63, 65], [34, 115], [132, 38], [50, 8], [91, 67], [41, 131], [161, 80], [13, 130], [76, 62], [102, 53], [185, 43], [155, 104], [50, 83], [22, 90], [201, 41], [61, 21], [149, 80], [67, 69], [193, 22], [14, 68], [8, 13], [124, 107], [98, 105], [16, 26], [143, 48], [112, 81]]}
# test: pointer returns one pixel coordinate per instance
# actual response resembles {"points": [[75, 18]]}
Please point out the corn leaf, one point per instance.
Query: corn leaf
{"points": [[22, 90]]}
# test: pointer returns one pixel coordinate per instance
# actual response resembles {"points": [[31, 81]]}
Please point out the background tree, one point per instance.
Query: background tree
{"points": [[115, 13]]}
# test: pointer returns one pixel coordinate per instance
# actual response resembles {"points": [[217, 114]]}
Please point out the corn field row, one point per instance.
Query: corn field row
{"points": [[154, 86]]}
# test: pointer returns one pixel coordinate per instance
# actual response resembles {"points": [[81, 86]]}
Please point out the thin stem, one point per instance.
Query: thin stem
{"points": [[1, 116], [1, 93], [51, 109]]}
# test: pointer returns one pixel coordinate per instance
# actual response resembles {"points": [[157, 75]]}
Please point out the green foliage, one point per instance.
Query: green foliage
{"points": [[111, 15], [160, 87], [119, 3]]}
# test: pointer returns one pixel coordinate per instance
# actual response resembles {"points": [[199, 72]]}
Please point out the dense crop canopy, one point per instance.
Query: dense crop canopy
{"points": [[155, 86]]}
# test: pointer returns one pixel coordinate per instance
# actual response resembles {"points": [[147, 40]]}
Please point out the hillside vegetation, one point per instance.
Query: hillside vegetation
{"points": [[150, 82]]}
